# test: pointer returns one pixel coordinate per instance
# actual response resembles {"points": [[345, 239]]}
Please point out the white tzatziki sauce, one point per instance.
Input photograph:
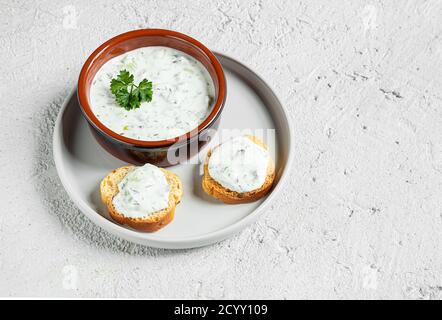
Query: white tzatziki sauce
{"points": [[143, 191], [182, 94], [239, 165]]}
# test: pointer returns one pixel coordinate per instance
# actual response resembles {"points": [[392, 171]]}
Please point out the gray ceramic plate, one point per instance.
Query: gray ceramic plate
{"points": [[199, 220]]}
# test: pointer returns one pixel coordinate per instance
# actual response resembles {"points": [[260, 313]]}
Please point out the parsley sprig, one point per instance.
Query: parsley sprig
{"points": [[127, 94]]}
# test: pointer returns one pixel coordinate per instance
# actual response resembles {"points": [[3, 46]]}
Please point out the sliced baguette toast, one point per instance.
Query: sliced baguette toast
{"points": [[155, 221], [216, 190]]}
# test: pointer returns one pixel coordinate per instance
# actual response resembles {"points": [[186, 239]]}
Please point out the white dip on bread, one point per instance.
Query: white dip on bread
{"points": [[239, 165], [181, 99], [143, 191]]}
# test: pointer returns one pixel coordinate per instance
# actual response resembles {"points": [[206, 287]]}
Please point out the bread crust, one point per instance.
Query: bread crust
{"points": [[216, 190], [155, 221]]}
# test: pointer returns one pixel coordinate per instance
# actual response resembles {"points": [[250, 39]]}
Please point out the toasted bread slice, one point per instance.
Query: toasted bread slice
{"points": [[153, 222], [216, 190]]}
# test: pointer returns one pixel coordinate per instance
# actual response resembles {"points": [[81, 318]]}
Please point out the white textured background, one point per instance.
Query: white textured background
{"points": [[361, 216]]}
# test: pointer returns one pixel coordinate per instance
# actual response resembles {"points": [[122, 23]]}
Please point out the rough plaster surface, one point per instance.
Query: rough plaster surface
{"points": [[361, 216]]}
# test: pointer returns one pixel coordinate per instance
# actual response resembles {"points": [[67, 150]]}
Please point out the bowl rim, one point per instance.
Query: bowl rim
{"points": [[92, 119]]}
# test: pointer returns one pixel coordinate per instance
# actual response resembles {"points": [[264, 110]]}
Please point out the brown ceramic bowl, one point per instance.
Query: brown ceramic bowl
{"points": [[164, 152]]}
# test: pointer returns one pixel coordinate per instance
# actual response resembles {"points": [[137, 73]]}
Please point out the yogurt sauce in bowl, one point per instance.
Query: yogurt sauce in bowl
{"points": [[183, 92]]}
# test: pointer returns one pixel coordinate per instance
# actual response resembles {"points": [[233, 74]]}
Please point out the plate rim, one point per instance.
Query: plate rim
{"points": [[188, 242]]}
